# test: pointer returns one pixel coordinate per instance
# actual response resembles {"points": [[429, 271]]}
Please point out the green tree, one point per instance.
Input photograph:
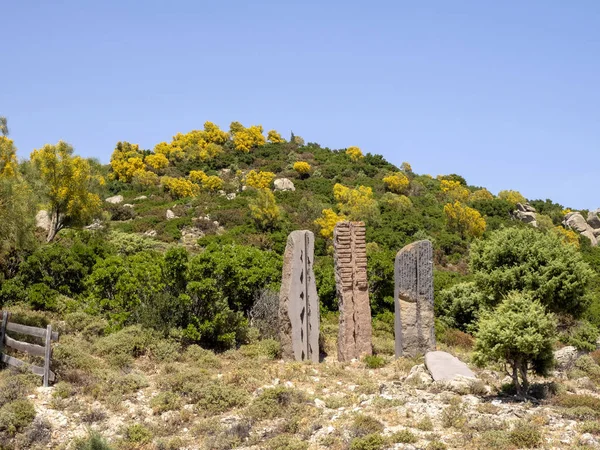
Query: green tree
{"points": [[68, 186], [519, 333], [527, 260], [3, 126]]}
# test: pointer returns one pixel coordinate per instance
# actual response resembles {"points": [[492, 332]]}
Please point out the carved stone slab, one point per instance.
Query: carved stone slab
{"points": [[444, 367], [355, 332], [414, 320], [298, 300]]}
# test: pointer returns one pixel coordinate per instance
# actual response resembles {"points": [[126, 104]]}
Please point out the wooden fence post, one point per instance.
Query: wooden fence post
{"points": [[47, 355], [3, 329]]}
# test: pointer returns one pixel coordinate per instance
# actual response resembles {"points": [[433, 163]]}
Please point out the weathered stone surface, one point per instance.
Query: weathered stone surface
{"points": [[42, 220], [575, 221], [170, 215], [141, 197], [526, 217], [284, 184], [419, 375], [190, 236], [593, 220], [298, 299], [525, 207], [350, 256], [444, 367], [565, 357], [95, 225], [414, 321], [115, 199]]}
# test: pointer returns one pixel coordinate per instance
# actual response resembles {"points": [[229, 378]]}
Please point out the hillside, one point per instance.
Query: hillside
{"points": [[162, 271]]}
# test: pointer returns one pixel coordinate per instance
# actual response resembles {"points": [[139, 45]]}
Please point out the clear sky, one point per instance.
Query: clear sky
{"points": [[505, 93]]}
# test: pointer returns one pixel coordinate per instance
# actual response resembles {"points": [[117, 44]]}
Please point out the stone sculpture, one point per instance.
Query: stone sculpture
{"points": [[414, 320], [355, 332], [298, 300]]}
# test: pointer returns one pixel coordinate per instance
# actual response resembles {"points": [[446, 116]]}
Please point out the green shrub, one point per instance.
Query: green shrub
{"points": [[215, 397], [404, 437], [526, 435], [374, 361], [373, 441], [494, 439], [201, 357], [592, 427], [454, 415], [436, 445], [459, 306], [137, 433], [267, 348], [94, 441], [583, 337], [16, 415], [425, 424], [581, 413], [275, 402], [286, 442], [577, 400], [363, 425], [165, 401]]}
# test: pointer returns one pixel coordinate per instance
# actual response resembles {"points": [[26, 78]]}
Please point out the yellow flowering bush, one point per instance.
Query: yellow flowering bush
{"points": [[145, 178], [264, 209], [513, 197], [274, 137], [302, 167], [8, 157], [354, 153], [259, 180], [327, 222], [180, 187], [245, 139], [357, 204], [157, 161], [454, 190], [569, 236], [467, 221], [481, 194], [397, 182]]}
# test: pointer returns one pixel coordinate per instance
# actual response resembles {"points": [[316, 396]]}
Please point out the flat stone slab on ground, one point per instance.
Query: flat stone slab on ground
{"points": [[444, 367]]}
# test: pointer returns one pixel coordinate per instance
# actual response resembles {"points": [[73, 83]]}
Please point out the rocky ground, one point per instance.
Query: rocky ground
{"points": [[257, 402]]}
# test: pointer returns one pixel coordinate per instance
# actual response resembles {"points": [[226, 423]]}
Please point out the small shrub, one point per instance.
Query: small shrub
{"points": [[286, 442], [456, 338], [137, 434], [583, 337], [165, 350], [525, 435], [581, 413], [374, 361], [404, 437], [165, 401], [373, 441], [275, 402], [214, 397], [454, 415], [595, 355], [93, 415], [487, 408], [36, 434], [197, 355], [493, 439], [591, 427], [267, 348], [93, 441], [436, 445], [16, 415], [364, 425], [577, 400], [425, 424]]}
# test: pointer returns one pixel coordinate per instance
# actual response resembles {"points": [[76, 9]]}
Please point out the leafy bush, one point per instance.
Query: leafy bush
{"points": [[94, 441], [373, 441], [531, 261], [459, 306], [275, 402], [374, 361], [404, 437], [16, 415], [165, 401], [137, 434], [526, 435], [583, 337], [363, 425]]}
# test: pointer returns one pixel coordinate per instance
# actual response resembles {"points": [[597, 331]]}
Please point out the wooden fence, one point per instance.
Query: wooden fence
{"points": [[44, 351]]}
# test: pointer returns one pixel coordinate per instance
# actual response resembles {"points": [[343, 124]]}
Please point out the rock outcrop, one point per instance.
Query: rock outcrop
{"points": [[284, 184], [526, 213], [576, 222], [115, 199], [350, 257], [414, 318], [444, 367], [42, 220], [298, 300]]}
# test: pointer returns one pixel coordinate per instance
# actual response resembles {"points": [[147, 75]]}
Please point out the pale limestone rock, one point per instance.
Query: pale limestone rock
{"points": [[42, 220], [575, 221], [350, 257], [418, 375], [444, 367], [170, 215], [298, 300], [115, 199], [565, 357], [284, 184], [414, 321]]}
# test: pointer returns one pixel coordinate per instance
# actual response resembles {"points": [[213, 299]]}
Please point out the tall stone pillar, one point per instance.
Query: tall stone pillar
{"points": [[298, 300], [414, 321], [355, 332]]}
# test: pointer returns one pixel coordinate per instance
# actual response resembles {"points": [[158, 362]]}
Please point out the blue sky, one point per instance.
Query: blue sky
{"points": [[504, 93]]}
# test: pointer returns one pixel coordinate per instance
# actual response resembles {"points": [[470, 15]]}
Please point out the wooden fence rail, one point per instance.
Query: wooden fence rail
{"points": [[44, 351]]}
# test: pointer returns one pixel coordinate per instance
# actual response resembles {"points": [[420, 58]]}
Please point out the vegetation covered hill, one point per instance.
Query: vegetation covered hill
{"points": [[188, 249]]}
